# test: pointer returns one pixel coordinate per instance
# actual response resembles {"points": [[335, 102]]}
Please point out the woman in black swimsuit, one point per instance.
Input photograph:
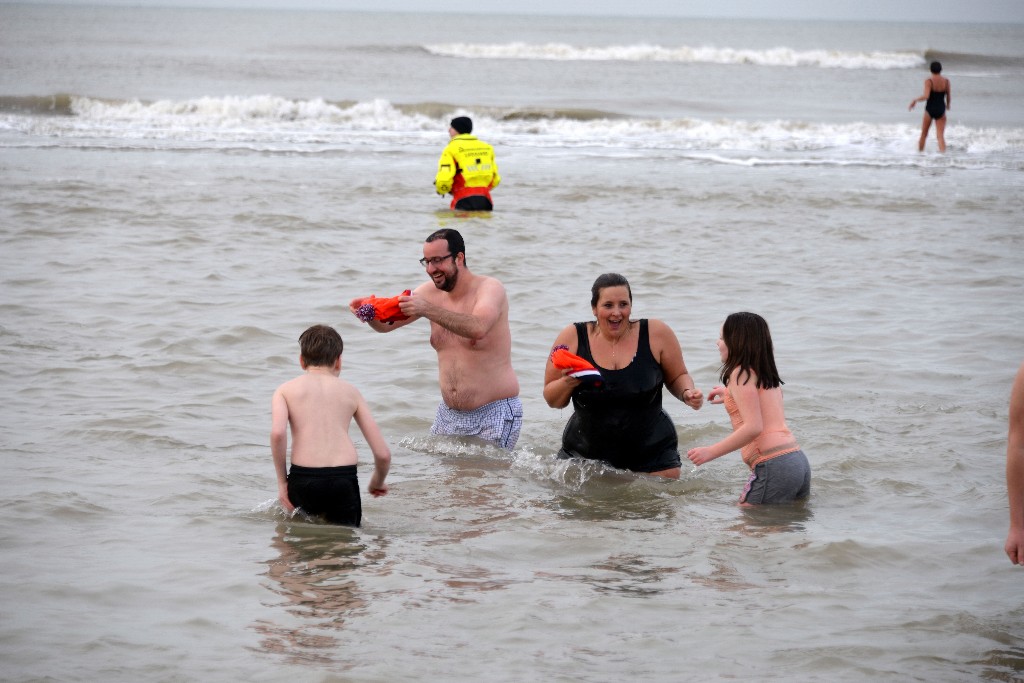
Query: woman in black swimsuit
{"points": [[936, 92], [622, 422]]}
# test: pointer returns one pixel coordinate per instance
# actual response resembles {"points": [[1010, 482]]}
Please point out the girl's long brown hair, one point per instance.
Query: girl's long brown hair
{"points": [[749, 342]]}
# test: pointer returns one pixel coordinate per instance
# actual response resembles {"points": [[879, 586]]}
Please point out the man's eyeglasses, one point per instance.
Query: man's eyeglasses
{"points": [[434, 260]]}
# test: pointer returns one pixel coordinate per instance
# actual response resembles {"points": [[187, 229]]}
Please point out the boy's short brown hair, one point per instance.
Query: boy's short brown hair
{"points": [[320, 345]]}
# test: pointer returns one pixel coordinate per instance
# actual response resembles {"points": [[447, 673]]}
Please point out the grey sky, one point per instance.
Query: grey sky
{"points": [[953, 11]]}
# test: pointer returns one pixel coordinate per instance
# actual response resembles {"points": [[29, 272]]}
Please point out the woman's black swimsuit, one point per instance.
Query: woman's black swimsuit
{"points": [[936, 106], [622, 422]]}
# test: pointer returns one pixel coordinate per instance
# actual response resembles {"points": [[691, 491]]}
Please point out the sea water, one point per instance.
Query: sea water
{"points": [[184, 191]]}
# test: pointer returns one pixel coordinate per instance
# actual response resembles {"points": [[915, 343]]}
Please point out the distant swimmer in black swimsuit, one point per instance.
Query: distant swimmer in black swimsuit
{"points": [[936, 92]]}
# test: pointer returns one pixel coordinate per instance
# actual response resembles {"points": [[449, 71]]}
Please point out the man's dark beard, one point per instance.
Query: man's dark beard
{"points": [[449, 282]]}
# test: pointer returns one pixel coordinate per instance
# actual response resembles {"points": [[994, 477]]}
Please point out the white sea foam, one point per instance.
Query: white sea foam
{"points": [[278, 124], [256, 111], [777, 56]]}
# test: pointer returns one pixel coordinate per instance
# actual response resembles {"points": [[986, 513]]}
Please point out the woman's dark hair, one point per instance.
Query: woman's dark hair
{"points": [[936, 68], [608, 280], [749, 342]]}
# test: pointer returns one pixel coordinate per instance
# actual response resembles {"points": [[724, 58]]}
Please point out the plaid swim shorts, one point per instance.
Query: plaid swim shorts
{"points": [[498, 421]]}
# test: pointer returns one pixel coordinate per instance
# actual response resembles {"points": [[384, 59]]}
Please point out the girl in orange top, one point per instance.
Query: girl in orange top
{"points": [[752, 394]]}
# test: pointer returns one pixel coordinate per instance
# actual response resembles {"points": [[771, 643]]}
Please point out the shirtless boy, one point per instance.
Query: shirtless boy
{"points": [[319, 407], [469, 330]]}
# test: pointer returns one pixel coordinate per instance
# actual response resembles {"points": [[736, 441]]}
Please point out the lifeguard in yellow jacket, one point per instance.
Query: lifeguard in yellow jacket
{"points": [[467, 169]]}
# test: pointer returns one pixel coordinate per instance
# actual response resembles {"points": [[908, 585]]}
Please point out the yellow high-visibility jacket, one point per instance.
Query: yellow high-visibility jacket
{"points": [[467, 167]]}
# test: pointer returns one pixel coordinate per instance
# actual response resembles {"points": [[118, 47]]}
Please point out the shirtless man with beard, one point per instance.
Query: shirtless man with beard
{"points": [[469, 329]]}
